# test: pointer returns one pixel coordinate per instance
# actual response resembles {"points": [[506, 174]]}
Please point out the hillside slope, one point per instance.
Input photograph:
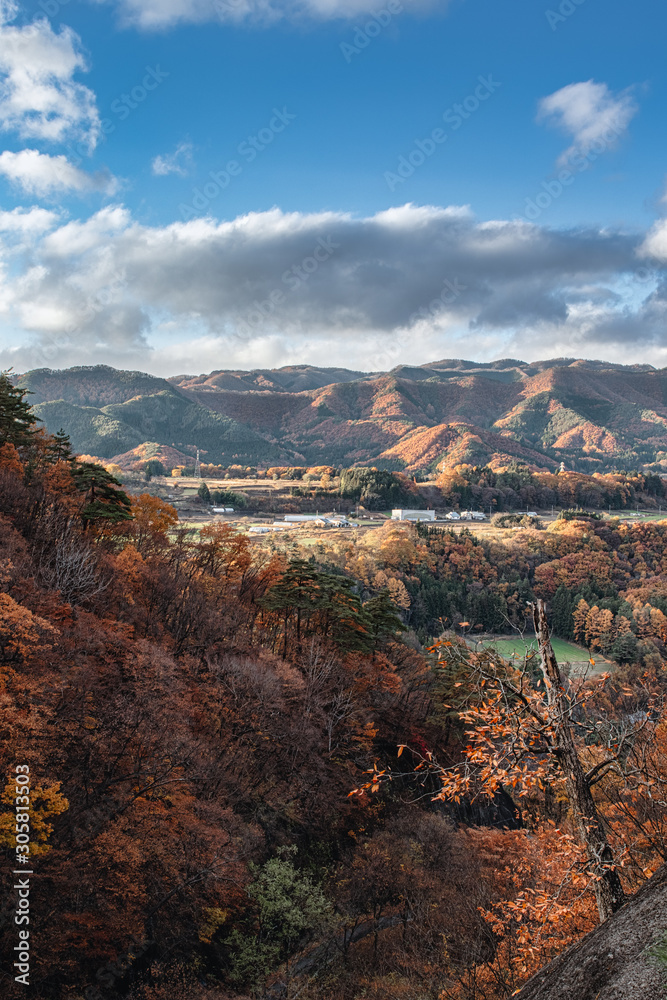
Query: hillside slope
{"points": [[164, 417], [591, 415]]}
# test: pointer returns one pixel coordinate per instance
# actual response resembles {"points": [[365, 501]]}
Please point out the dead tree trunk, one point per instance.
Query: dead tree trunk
{"points": [[608, 888]]}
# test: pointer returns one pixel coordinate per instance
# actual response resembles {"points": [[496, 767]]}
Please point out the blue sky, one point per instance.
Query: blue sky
{"points": [[166, 164]]}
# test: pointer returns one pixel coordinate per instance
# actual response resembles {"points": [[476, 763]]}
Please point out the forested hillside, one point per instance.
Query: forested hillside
{"points": [[265, 770], [589, 415]]}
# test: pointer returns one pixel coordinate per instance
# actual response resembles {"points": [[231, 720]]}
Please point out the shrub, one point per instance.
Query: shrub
{"points": [[227, 498], [154, 467], [515, 520], [377, 490], [578, 514], [288, 909]]}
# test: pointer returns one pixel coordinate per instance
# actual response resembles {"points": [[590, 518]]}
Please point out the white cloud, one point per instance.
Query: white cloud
{"points": [[590, 114], [30, 222], [39, 98], [42, 175], [655, 244], [409, 284], [152, 14], [179, 162]]}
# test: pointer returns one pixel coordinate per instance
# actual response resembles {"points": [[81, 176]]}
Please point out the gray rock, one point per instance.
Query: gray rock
{"points": [[613, 962]]}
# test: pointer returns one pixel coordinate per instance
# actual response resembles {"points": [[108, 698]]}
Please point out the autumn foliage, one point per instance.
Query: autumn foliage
{"points": [[196, 709]]}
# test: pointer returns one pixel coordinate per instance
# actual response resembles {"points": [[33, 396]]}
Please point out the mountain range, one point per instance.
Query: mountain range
{"points": [[591, 415]]}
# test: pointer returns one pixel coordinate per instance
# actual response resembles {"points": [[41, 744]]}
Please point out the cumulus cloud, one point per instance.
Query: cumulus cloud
{"points": [[590, 114], [655, 244], [39, 97], [30, 222], [154, 14], [407, 284], [42, 175], [179, 162]]}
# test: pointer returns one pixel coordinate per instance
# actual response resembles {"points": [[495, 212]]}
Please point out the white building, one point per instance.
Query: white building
{"points": [[318, 520], [413, 515], [453, 516], [295, 518], [222, 510], [472, 515]]}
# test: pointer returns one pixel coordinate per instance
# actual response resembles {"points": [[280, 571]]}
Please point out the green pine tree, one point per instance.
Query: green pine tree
{"points": [[341, 614], [60, 447], [310, 600], [17, 421], [295, 596], [154, 467], [561, 613], [384, 623], [103, 499]]}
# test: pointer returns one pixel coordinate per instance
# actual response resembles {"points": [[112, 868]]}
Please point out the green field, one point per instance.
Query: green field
{"points": [[565, 652]]}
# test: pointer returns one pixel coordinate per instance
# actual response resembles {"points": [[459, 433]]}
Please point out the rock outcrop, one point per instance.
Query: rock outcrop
{"points": [[616, 961]]}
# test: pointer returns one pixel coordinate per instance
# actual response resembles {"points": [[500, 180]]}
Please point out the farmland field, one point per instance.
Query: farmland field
{"points": [[566, 652]]}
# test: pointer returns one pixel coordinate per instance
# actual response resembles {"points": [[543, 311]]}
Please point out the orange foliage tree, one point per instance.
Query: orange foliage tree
{"points": [[22, 633], [528, 736]]}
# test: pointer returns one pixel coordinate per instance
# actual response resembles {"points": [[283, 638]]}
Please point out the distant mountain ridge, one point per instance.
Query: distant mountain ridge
{"points": [[593, 415], [293, 378]]}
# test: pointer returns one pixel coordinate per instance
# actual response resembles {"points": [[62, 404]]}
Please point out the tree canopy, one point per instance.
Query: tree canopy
{"points": [[17, 421]]}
